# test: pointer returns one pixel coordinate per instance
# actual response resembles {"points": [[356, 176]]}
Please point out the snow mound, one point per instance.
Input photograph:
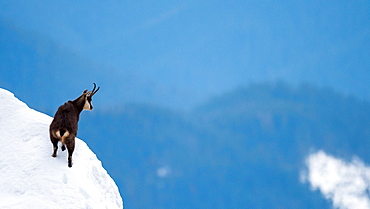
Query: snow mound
{"points": [[31, 178]]}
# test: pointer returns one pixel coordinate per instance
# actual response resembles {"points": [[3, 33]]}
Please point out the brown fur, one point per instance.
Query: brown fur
{"points": [[65, 124]]}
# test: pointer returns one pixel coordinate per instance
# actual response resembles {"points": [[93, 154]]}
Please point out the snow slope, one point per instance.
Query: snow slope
{"points": [[31, 178]]}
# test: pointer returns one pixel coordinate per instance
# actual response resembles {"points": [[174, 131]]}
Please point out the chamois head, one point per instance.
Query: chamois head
{"points": [[87, 95]]}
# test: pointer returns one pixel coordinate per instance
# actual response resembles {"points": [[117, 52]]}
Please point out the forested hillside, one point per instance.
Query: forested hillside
{"points": [[243, 149]]}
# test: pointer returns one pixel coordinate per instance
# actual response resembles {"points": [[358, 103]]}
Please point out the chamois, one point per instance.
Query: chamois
{"points": [[65, 123]]}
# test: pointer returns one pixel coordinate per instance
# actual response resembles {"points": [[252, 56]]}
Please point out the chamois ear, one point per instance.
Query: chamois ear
{"points": [[84, 92]]}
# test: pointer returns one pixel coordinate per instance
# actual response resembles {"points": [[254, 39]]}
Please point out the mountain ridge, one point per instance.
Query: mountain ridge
{"points": [[252, 140]]}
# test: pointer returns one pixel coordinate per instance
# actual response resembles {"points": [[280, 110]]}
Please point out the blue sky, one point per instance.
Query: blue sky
{"points": [[197, 49]]}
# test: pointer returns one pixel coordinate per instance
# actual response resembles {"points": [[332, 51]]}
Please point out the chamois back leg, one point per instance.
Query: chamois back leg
{"points": [[70, 147], [55, 147]]}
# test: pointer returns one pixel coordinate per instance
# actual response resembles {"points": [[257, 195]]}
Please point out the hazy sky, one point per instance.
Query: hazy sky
{"points": [[200, 48]]}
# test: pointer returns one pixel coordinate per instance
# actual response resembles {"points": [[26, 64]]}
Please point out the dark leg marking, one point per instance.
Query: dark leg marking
{"points": [[55, 146], [70, 147], [70, 161]]}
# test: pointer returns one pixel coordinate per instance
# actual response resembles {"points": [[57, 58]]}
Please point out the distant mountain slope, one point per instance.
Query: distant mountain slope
{"points": [[299, 116], [38, 70], [243, 149], [31, 178], [206, 48], [46, 74]]}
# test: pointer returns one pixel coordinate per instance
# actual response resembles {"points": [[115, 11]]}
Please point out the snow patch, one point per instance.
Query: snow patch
{"points": [[31, 178], [347, 184], [163, 172]]}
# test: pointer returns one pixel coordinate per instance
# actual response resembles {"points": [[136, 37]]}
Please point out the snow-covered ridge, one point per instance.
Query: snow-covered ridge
{"points": [[31, 178]]}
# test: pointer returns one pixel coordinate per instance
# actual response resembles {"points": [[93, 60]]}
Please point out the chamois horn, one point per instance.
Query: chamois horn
{"points": [[92, 92]]}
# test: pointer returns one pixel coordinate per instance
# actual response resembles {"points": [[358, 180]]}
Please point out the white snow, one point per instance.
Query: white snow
{"points": [[347, 184], [31, 178], [163, 172]]}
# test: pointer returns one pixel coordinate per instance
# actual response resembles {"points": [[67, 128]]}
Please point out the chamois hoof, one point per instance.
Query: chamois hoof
{"points": [[53, 155], [70, 165]]}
